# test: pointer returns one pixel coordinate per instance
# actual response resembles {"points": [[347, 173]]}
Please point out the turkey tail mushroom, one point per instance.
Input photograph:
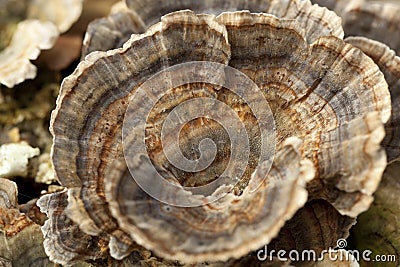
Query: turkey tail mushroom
{"points": [[21, 241], [389, 63], [112, 32], [328, 103]]}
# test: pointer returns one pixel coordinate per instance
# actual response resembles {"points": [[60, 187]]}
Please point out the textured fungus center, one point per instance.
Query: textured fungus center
{"points": [[195, 131]]}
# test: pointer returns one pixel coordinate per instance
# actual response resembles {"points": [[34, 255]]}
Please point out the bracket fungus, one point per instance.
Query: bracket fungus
{"points": [[389, 63], [65, 236], [38, 23], [377, 20], [319, 146], [111, 32], [332, 227], [21, 240]]}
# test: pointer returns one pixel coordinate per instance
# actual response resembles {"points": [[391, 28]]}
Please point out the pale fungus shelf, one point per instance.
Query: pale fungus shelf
{"points": [[37, 24], [14, 159]]}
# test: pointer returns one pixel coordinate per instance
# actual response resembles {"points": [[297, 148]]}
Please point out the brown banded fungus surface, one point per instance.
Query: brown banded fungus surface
{"points": [[328, 99]]}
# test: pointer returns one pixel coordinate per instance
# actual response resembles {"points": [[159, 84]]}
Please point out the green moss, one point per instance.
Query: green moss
{"points": [[378, 229]]}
